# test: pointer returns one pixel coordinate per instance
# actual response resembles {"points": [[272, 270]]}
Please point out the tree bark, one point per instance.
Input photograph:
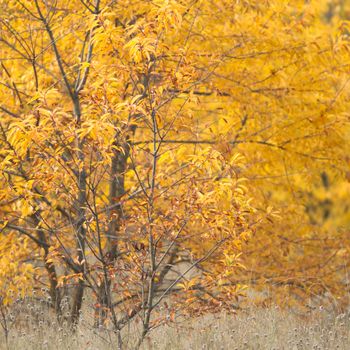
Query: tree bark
{"points": [[116, 191]]}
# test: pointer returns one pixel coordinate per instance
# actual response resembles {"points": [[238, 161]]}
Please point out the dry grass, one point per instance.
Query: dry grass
{"points": [[256, 329]]}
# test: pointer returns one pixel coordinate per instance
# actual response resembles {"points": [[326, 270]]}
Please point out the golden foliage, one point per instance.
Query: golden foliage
{"points": [[158, 146]]}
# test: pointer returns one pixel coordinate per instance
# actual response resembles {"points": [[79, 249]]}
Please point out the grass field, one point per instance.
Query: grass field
{"points": [[254, 329]]}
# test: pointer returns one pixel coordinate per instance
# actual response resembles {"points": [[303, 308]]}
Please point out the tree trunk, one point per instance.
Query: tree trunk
{"points": [[55, 294], [77, 301], [116, 191]]}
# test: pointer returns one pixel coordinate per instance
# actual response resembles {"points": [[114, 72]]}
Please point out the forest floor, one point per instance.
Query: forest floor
{"points": [[256, 329]]}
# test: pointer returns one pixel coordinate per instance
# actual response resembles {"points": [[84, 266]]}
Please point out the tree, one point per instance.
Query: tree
{"points": [[139, 141]]}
